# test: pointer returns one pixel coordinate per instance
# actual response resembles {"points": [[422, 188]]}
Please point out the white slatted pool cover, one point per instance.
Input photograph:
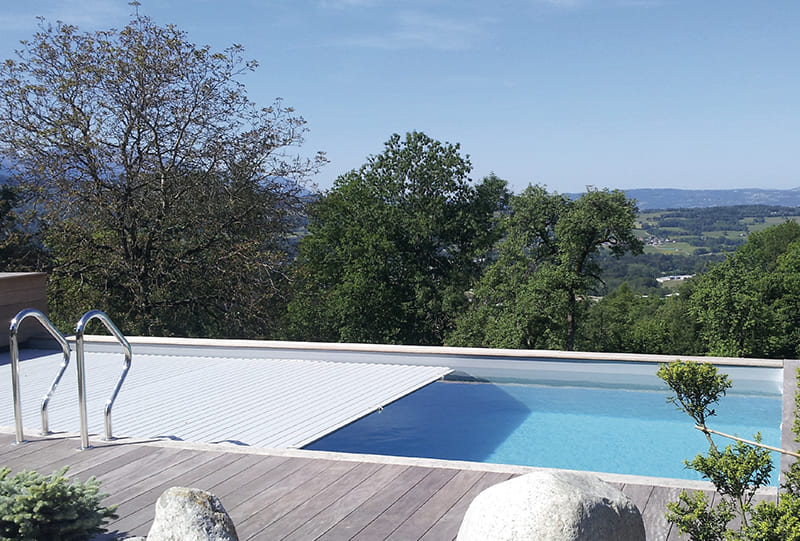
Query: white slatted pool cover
{"points": [[276, 403]]}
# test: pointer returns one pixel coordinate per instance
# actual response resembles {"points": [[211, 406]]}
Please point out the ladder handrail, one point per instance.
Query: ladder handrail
{"points": [[13, 331], [79, 332]]}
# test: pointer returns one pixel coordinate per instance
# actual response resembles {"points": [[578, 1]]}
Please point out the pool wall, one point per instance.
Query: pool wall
{"points": [[763, 376]]}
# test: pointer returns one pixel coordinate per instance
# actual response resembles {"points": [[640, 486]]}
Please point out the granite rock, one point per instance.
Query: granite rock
{"points": [[552, 506], [190, 514]]}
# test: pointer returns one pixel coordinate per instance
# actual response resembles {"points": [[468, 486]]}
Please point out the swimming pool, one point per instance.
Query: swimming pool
{"points": [[602, 429]]}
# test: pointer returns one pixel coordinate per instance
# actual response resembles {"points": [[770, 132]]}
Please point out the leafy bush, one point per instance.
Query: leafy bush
{"points": [[36, 507], [737, 471]]}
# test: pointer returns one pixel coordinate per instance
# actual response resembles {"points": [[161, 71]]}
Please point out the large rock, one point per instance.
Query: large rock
{"points": [[552, 506], [190, 514]]}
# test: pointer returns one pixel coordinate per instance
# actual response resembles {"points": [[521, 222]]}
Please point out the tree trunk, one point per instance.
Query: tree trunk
{"points": [[570, 345]]}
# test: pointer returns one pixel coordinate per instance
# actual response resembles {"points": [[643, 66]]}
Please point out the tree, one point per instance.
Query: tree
{"points": [[625, 321], [746, 305], [533, 296], [393, 247], [165, 195], [18, 250], [737, 471]]}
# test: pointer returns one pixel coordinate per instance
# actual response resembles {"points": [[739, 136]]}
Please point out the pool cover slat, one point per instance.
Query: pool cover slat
{"points": [[278, 403]]}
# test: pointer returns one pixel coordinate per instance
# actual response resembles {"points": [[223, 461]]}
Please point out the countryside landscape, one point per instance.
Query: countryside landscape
{"points": [[155, 183]]}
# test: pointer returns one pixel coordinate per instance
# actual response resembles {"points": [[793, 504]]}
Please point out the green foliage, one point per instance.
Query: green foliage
{"points": [[771, 522], [35, 507], [625, 321], [694, 516], [393, 247], [696, 386], [164, 195], [747, 305], [737, 471], [534, 295], [18, 250]]}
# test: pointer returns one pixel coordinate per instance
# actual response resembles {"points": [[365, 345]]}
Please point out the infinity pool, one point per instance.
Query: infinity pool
{"points": [[627, 431]]}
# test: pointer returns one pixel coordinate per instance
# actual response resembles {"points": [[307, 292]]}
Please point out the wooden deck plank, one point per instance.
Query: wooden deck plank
{"points": [[143, 469], [167, 476], [69, 455], [436, 507], [150, 484], [293, 497], [293, 491], [56, 452], [254, 511], [365, 514], [333, 486], [137, 512], [447, 526], [654, 515], [217, 480], [257, 484], [337, 511], [402, 509], [12, 451], [99, 462]]}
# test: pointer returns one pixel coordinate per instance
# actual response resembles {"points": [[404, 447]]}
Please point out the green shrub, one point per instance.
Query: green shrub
{"points": [[737, 471], [37, 507]]}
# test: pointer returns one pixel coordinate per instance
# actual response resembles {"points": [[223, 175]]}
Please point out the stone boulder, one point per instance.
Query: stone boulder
{"points": [[190, 514], [552, 506]]}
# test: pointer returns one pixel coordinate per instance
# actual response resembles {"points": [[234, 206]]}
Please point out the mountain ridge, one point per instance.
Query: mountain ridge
{"points": [[675, 198]]}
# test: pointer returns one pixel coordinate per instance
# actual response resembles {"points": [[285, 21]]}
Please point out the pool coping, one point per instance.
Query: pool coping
{"points": [[446, 351]]}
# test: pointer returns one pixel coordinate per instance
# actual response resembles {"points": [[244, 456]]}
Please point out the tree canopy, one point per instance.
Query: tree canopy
{"points": [[163, 194], [531, 298], [748, 304], [393, 246]]}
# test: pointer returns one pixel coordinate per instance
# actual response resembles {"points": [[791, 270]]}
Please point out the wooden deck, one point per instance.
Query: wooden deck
{"points": [[293, 494]]}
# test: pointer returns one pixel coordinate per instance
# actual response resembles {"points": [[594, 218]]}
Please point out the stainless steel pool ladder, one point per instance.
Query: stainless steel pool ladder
{"points": [[14, 350], [80, 359], [79, 331]]}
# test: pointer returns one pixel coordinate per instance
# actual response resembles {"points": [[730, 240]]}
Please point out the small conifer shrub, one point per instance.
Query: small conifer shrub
{"points": [[36, 507]]}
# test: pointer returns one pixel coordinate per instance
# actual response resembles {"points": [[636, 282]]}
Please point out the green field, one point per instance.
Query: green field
{"points": [[706, 230]]}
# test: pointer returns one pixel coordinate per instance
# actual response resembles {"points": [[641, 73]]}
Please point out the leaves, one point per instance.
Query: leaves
{"points": [[696, 386], [165, 197], [746, 306], [533, 295], [694, 516], [737, 471], [393, 247], [34, 507]]}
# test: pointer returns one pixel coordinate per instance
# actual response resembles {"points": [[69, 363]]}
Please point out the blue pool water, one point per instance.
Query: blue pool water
{"points": [[595, 429]]}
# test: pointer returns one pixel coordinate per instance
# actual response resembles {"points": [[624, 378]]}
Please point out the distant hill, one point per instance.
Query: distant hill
{"points": [[669, 198]]}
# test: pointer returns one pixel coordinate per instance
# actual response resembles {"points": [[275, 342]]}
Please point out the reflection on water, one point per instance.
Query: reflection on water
{"points": [[454, 421]]}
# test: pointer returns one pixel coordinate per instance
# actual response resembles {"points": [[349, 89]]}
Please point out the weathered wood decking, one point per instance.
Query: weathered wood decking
{"points": [[290, 495]]}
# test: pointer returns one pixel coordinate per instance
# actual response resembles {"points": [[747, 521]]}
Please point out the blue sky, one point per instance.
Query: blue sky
{"points": [[695, 94]]}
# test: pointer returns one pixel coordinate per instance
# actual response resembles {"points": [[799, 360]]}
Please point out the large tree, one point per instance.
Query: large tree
{"points": [[394, 246], [532, 296], [165, 196], [747, 305]]}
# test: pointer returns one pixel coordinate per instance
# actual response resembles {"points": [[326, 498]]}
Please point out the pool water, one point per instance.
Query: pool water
{"points": [[595, 429]]}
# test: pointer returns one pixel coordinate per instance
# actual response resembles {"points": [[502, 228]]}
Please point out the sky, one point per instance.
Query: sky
{"points": [[691, 94]]}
